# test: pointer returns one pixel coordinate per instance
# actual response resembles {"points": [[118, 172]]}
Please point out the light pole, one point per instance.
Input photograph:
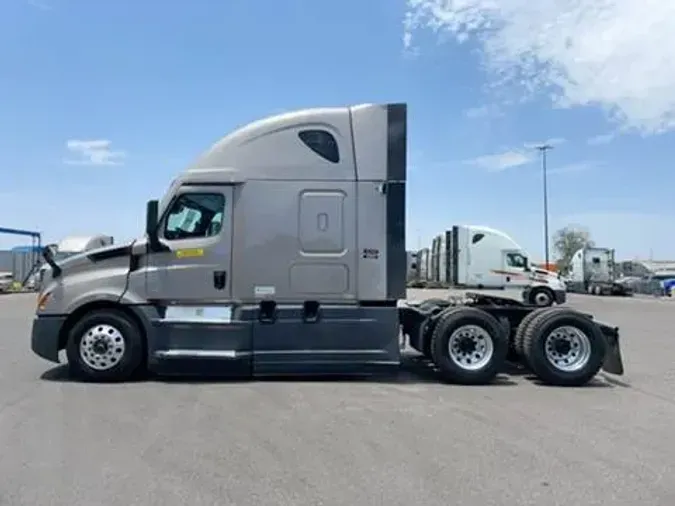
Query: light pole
{"points": [[544, 148]]}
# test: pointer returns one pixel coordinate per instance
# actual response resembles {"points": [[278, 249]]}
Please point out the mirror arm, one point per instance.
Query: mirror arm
{"points": [[153, 242]]}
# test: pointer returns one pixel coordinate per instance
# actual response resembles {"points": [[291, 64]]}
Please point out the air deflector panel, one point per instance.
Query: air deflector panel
{"points": [[395, 196]]}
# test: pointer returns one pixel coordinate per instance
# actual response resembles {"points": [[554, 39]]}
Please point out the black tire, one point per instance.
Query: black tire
{"points": [[128, 361], [519, 338], [450, 370], [425, 339], [545, 324], [430, 307], [541, 296]]}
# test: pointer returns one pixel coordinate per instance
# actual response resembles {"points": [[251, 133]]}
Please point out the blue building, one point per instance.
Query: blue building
{"points": [[20, 261]]}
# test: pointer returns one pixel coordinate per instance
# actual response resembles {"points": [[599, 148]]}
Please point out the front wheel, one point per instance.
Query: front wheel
{"points": [[541, 296], [468, 346], [105, 345]]}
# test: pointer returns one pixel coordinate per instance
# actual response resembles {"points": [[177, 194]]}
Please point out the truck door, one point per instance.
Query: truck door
{"points": [[200, 328], [196, 230], [514, 274]]}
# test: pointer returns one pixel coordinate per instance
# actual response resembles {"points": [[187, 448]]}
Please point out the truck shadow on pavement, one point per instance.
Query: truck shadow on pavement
{"points": [[600, 381], [413, 370]]}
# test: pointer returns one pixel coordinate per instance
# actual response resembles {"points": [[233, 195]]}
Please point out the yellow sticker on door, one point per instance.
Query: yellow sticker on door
{"points": [[190, 253]]}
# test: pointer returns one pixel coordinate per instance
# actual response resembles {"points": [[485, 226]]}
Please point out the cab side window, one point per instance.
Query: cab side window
{"points": [[516, 260], [194, 216], [322, 143]]}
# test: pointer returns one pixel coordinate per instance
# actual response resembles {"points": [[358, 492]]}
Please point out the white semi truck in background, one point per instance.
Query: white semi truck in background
{"points": [[470, 256], [592, 271]]}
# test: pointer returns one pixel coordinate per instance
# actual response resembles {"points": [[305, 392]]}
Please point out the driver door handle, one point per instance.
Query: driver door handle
{"points": [[219, 280]]}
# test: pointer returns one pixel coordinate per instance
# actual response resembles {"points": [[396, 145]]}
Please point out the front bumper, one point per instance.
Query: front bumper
{"points": [[45, 336]]}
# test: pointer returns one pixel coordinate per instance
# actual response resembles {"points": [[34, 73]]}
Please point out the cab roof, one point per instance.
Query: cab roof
{"points": [[273, 148]]}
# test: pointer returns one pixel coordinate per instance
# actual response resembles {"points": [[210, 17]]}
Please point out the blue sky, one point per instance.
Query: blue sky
{"points": [[104, 102]]}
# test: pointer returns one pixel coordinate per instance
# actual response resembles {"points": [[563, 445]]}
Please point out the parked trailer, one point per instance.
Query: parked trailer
{"points": [[424, 259], [308, 283], [412, 261], [592, 271]]}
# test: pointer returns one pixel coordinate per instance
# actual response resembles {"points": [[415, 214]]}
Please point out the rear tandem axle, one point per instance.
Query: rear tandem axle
{"points": [[470, 340]]}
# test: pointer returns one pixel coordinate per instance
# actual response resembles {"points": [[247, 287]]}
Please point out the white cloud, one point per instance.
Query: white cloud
{"points": [[616, 54], [502, 161], [600, 139], [407, 39], [94, 152], [485, 111]]}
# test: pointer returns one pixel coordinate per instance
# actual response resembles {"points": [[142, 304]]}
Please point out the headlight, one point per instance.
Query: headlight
{"points": [[43, 300]]}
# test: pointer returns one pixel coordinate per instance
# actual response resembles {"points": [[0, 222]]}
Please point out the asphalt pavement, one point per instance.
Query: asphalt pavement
{"points": [[399, 441]]}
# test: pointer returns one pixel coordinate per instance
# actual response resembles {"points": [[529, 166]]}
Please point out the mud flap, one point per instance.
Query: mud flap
{"points": [[613, 363]]}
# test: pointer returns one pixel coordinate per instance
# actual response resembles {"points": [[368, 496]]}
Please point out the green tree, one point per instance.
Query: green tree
{"points": [[567, 241]]}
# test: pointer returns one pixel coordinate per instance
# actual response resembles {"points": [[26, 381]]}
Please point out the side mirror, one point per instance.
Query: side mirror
{"points": [[48, 253], [151, 219]]}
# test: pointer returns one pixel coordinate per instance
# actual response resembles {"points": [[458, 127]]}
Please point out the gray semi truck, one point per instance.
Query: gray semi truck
{"points": [[281, 250], [593, 270]]}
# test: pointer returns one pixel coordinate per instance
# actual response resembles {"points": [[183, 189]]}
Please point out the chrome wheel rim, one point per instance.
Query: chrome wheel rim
{"points": [[568, 349], [102, 347], [470, 347]]}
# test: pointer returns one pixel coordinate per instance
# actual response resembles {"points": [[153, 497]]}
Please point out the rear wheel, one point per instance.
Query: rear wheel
{"points": [[425, 339], [468, 346], [519, 338], [564, 347], [105, 345], [432, 306]]}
